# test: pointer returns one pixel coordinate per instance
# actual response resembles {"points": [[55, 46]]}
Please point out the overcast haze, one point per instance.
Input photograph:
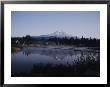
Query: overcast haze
{"points": [[35, 23]]}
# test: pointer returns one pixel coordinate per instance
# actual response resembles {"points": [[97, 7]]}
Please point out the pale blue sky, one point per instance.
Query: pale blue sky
{"points": [[76, 23]]}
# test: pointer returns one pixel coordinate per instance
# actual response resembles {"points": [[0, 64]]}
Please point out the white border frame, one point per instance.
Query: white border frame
{"points": [[55, 7]]}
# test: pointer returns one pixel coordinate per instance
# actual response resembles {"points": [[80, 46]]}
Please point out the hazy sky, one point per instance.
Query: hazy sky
{"points": [[76, 23]]}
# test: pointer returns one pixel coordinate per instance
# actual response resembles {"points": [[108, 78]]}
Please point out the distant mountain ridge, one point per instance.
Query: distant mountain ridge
{"points": [[55, 34]]}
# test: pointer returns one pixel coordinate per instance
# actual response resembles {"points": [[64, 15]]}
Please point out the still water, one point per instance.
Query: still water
{"points": [[24, 60]]}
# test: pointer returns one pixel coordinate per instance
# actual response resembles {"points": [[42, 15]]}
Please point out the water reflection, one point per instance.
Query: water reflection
{"points": [[62, 54], [27, 52], [24, 60]]}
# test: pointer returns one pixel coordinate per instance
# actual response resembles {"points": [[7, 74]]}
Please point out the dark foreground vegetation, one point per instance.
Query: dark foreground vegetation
{"points": [[81, 68]]}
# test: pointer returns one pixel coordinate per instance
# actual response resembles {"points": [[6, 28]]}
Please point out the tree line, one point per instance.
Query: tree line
{"points": [[92, 42], [76, 41]]}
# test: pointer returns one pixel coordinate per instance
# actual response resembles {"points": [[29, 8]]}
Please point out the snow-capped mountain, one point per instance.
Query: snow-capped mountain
{"points": [[59, 34], [54, 34]]}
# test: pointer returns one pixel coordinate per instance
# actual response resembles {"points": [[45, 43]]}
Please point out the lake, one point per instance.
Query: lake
{"points": [[23, 61]]}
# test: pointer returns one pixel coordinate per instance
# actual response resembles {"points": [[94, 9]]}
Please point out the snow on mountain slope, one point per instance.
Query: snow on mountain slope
{"points": [[59, 34], [55, 34]]}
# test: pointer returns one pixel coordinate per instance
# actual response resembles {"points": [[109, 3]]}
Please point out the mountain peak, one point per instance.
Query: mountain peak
{"points": [[60, 34]]}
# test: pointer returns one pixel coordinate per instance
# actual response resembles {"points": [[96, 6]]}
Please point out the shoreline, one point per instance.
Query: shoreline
{"points": [[60, 47]]}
